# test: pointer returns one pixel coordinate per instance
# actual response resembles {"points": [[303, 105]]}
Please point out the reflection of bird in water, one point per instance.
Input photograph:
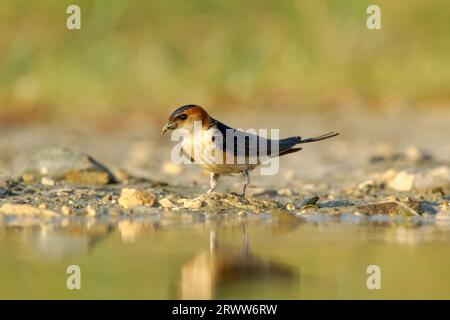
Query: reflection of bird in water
{"points": [[204, 274]]}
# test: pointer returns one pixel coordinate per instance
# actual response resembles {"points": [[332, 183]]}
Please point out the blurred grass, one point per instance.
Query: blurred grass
{"points": [[155, 55]]}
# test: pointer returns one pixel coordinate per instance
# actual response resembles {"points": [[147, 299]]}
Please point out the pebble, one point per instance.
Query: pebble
{"points": [[47, 181], [311, 201], [4, 192], [133, 197], [290, 207], [426, 179], [193, 203], [402, 181], [166, 203], [25, 210], [61, 164]]}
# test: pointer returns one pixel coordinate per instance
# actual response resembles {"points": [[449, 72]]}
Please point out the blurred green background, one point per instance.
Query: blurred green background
{"points": [[155, 55]]}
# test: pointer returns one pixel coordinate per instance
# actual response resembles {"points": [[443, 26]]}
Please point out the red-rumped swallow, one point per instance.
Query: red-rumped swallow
{"points": [[222, 150]]}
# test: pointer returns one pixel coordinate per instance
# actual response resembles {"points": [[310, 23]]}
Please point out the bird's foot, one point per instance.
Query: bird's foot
{"points": [[240, 195]]}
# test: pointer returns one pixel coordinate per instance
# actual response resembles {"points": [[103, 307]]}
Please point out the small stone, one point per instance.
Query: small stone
{"points": [[402, 181], [28, 178], [133, 197], [47, 181], [389, 206], [62, 164], [310, 202], [42, 206], [25, 210], [8, 183], [166, 203], [242, 213], [211, 203], [193, 203], [425, 179], [290, 207]]}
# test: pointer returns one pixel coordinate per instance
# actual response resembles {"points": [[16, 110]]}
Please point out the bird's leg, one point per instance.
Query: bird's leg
{"points": [[246, 175], [213, 181]]}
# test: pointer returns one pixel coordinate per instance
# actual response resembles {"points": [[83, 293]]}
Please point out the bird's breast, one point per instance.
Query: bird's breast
{"points": [[206, 149]]}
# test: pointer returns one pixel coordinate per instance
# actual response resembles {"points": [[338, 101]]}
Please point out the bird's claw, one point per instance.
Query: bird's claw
{"points": [[240, 195]]}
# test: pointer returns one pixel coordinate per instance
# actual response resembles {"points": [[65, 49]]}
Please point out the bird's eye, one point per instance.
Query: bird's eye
{"points": [[183, 117]]}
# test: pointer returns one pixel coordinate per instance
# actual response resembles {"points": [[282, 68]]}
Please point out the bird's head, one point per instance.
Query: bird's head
{"points": [[186, 117]]}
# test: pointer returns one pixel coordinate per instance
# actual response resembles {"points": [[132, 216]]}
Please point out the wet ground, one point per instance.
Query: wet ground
{"points": [[376, 195]]}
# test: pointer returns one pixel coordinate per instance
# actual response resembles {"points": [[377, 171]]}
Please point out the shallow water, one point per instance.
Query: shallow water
{"points": [[257, 256]]}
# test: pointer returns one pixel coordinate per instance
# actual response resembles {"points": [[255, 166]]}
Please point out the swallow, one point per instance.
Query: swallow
{"points": [[223, 150]]}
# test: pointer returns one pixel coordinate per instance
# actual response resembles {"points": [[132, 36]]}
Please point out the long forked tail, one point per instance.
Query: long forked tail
{"points": [[286, 146], [322, 137]]}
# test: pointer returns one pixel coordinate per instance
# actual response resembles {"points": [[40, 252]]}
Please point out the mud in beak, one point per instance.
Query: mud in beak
{"points": [[168, 126]]}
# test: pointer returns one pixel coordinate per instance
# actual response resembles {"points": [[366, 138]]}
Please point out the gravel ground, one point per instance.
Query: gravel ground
{"points": [[381, 164]]}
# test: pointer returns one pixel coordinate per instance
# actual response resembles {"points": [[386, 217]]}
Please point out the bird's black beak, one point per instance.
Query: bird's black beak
{"points": [[168, 126]]}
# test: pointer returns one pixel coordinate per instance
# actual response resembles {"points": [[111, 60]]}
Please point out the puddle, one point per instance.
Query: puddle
{"points": [[271, 256]]}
